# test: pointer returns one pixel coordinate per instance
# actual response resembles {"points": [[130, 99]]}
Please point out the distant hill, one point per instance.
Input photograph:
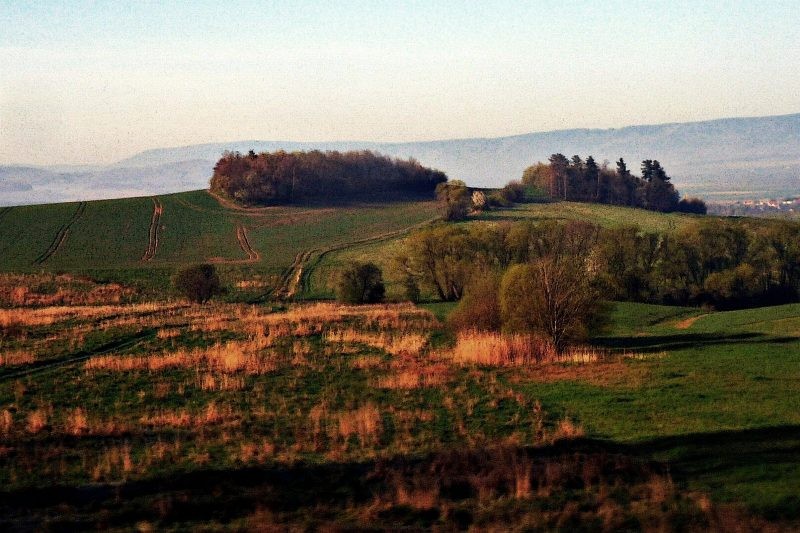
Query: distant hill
{"points": [[716, 159]]}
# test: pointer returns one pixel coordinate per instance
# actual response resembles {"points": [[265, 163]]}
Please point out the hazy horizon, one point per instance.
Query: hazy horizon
{"points": [[93, 83]]}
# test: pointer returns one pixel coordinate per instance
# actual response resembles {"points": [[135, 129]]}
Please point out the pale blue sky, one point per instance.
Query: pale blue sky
{"points": [[93, 82]]}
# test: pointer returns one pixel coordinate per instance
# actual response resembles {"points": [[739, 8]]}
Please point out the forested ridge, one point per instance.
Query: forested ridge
{"points": [[288, 177]]}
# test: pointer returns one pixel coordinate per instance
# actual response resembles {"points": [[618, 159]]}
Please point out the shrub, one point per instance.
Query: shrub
{"points": [[497, 199], [479, 309], [692, 205], [198, 283], [360, 283], [454, 200], [478, 200], [513, 192]]}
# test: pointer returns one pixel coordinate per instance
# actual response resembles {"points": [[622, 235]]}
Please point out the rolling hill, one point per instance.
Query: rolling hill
{"points": [[717, 159], [290, 249]]}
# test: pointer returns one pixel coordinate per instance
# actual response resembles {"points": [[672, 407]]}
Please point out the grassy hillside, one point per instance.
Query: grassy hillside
{"points": [[115, 235], [123, 240], [382, 251], [362, 415]]}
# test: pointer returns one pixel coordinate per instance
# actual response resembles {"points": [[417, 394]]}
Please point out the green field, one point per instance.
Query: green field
{"points": [[108, 239]]}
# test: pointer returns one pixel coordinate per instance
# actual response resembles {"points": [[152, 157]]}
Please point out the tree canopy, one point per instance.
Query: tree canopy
{"points": [[287, 177], [586, 181]]}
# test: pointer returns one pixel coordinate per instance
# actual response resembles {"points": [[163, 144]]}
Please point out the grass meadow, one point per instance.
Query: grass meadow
{"points": [[325, 415]]}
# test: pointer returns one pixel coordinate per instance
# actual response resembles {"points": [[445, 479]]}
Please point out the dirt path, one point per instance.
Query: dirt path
{"points": [[294, 279], [687, 323], [290, 279], [152, 236], [241, 236], [61, 236]]}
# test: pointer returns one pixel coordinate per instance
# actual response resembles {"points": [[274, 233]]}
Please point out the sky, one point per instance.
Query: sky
{"points": [[94, 82]]}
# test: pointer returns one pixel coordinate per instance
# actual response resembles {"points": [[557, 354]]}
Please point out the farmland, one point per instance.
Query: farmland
{"points": [[121, 240], [122, 405]]}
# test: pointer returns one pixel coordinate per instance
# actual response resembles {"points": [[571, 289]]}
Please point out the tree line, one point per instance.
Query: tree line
{"points": [[287, 177], [586, 181], [719, 263]]}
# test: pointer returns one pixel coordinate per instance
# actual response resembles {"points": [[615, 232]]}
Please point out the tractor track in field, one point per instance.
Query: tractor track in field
{"points": [[244, 243], [295, 278], [152, 232], [61, 235], [79, 357], [4, 211], [309, 268]]}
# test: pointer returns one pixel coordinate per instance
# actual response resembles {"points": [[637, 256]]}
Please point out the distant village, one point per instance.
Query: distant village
{"points": [[783, 208]]}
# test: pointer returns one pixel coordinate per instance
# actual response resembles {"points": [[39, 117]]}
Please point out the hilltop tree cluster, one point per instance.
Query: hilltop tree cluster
{"points": [[284, 177], [586, 181]]}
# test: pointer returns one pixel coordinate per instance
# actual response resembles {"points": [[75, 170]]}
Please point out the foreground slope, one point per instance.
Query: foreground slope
{"points": [[166, 415]]}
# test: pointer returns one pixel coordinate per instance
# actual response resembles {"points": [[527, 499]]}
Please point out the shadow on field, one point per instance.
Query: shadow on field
{"points": [[418, 492], [678, 341]]}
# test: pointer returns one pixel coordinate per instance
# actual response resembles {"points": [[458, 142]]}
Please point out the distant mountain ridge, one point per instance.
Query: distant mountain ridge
{"points": [[753, 157]]}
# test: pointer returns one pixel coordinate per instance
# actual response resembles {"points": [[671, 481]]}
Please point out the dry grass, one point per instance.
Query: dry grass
{"points": [[51, 315], [6, 422], [220, 382], [312, 319], [413, 374], [404, 344], [211, 415], [168, 333], [494, 349], [364, 422], [114, 463], [251, 452], [566, 429], [17, 358], [21, 290], [229, 357], [77, 423], [37, 420]]}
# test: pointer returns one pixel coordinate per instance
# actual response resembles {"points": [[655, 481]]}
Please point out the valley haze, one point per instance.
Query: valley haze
{"points": [[723, 159]]}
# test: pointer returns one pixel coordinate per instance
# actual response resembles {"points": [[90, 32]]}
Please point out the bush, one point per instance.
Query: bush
{"points": [[479, 309], [198, 283], [478, 200], [360, 283], [513, 192], [692, 205], [497, 199], [454, 200]]}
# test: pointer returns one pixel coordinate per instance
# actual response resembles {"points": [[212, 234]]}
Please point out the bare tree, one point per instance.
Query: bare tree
{"points": [[552, 296]]}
